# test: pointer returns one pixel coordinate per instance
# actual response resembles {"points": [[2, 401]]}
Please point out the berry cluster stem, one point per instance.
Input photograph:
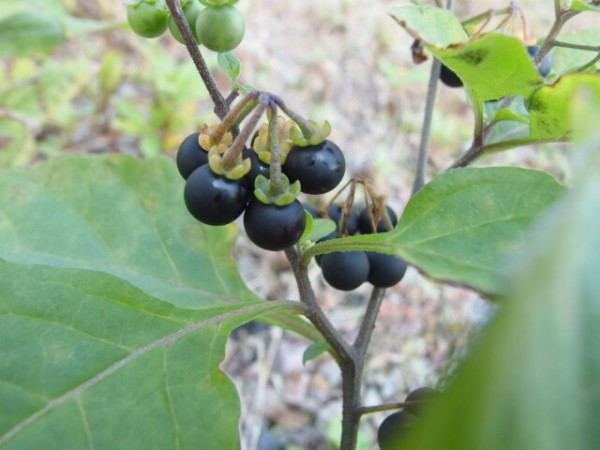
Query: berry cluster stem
{"points": [[275, 150], [232, 155], [221, 106], [244, 106], [303, 124]]}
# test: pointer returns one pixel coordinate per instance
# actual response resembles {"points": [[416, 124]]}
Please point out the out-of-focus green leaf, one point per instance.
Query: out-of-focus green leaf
{"points": [[531, 382], [550, 106], [492, 66], [29, 34], [434, 26], [580, 5], [315, 350], [569, 59]]}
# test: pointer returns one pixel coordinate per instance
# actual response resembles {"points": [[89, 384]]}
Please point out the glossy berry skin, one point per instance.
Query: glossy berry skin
{"points": [[213, 199], [258, 167], [385, 270], [274, 227], [449, 78], [422, 394], [545, 65], [146, 19], [220, 28], [190, 156], [190, 11], [393, 429], [320, 168], [364, 223], [335, 212], [345, 271]]}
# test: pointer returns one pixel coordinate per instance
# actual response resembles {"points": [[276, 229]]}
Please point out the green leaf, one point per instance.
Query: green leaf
{"points": [[580, 5], [230, 64], [321, 228], [315, 350], [531, 382], [550, 106], [29, 34], [509, 115], [432, 25], [462, 225], [493, 66], [568, 59], [125, 217], [87, 361]]}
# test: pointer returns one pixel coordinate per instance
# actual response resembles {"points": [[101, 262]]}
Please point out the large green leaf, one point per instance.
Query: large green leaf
{"points": [[462, 226], [532, 380], [121, 216], [550, 106], [493, 66], [29, 33], [89, 361]]}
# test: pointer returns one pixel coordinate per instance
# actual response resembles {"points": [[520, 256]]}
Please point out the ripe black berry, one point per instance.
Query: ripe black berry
{"points": [[335, 211], [423, 395], [190, 156], [393, 429], [545, 65], [258, 167], [449, 78], [319, 167], [364, 223], [385, 270], [214, 199], [345, 270], [311, 210], [274, 227]]}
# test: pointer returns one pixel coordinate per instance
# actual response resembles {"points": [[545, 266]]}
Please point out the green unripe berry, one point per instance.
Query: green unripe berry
{"points": [[190, 11], [147, 19], [220, 28]]}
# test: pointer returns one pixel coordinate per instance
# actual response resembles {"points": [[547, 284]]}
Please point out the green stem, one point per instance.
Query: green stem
{"points": [[303, 124], [275, 150], [232, 156], [232, 117], [589, 48]]}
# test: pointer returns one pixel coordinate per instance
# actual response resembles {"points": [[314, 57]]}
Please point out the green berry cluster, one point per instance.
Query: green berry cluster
{"points": [[215, 24]]}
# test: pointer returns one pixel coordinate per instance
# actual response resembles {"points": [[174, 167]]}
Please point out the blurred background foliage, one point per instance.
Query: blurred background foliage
{"points": [[74, 79]]}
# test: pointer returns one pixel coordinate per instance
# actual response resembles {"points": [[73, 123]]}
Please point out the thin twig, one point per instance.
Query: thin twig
{"points": [[368, 323], [221, 105]]}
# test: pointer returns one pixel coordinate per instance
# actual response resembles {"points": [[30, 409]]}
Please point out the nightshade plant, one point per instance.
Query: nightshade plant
{"points": [[115, 305]]}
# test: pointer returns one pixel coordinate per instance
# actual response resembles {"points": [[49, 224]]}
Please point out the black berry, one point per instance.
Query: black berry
{"points": [[274, 227], [258, 167], [190, 156], [422, 395], [393, 429], [449, 78], [320, 168], [311, 210], [385, 270], [214, 199], [545, 65], [364, 222], [335, 212], [345, 270]]}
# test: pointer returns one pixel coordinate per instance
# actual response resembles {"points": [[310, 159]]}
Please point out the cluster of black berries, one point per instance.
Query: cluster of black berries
{"points": [[394, 427], [215, 199], [346, 271]]}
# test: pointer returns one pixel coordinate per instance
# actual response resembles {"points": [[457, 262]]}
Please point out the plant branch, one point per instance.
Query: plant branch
{"points": [[589, 48], [368, 323], [221, 105], [426, 130]]}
